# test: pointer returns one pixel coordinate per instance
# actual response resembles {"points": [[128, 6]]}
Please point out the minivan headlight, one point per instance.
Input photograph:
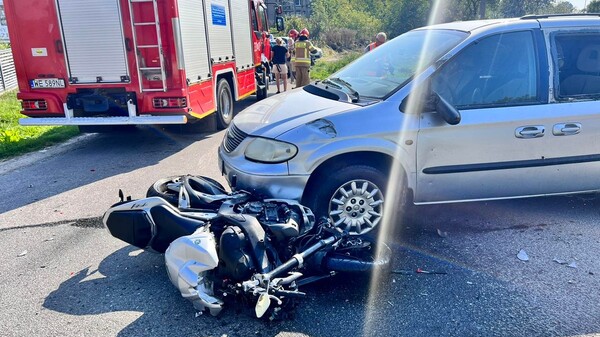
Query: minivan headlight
{"points": [[270, 151]]}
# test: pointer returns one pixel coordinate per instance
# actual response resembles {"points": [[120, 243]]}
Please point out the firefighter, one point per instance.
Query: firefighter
{"points": [[379, 40], [292, 36], [302, 49]]}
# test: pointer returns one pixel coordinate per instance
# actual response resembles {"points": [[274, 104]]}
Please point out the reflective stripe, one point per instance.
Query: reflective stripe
{"points": [[302, 49]]}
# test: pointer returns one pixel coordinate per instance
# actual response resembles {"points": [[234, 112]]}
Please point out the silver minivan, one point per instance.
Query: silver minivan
{"points": [[463, 111]]}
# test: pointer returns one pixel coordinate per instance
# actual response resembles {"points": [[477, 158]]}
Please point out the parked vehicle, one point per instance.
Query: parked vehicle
{"points": [[116, 62], [463, 111], [221, 247]]}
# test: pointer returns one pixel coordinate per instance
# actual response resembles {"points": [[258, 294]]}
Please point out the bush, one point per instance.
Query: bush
{"points": [[340, 39]]}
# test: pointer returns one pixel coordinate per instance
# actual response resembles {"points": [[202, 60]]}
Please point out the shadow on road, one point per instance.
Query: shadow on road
{"points": [[99, 157], [462, 301]]}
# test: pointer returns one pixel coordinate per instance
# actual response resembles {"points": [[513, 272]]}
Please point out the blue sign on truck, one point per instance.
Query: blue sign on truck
{"points": [[218, 15]]}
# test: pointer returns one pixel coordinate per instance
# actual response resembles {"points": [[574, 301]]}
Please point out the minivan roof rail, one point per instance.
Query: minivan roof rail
{"points": [[545, 16]]}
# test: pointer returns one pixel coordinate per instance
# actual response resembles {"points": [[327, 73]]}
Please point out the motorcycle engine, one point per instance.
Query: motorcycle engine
{"points": [[234, 252], [279, 221]]}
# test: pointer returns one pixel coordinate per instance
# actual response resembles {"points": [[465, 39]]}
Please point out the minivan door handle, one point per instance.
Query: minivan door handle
{"points": [[530, 131], [566, 129]]}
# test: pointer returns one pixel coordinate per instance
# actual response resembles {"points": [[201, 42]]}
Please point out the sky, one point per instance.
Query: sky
{"points": [[579, 3]]}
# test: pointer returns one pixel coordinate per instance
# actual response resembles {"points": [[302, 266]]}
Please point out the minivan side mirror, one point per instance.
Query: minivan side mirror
{"points": [[448, 112], [429, 100]]}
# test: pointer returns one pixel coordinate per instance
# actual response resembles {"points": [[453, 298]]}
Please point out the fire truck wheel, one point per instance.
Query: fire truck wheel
{"points": [[224, 104]]}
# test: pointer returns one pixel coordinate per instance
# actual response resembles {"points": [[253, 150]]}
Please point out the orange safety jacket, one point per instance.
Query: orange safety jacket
{"points": [[372, 46]]}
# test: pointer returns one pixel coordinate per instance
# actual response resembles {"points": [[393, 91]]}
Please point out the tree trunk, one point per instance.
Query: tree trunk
{"points": [[482, 9]]}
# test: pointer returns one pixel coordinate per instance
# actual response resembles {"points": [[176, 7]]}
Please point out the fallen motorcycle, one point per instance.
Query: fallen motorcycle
{"points": [[220, 246]]}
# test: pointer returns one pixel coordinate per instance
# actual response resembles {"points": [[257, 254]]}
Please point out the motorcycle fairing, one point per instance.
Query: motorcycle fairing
{"points": [[188, 258]]}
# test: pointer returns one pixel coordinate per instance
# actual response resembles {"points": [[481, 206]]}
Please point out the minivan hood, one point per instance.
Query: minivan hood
{"points": [[280, 113]]}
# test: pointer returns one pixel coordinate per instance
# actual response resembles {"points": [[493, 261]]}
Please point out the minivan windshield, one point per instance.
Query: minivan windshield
{"points": [[388, 67]]}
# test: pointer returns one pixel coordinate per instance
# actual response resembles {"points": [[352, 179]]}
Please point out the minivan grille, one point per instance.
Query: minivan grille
{"points": [[233, 138]]}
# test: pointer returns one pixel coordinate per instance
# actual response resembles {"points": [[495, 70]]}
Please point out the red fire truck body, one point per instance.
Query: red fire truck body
{"points": [[119, 62]]}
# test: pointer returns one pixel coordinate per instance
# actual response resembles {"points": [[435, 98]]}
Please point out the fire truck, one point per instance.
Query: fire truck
{"points": [[132, 62]]}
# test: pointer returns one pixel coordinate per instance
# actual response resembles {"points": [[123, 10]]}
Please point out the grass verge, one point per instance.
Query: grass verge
{"points": [[327, 66], [16, 140]]}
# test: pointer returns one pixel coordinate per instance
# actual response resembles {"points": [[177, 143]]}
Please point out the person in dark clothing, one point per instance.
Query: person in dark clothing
{"points": [[279, 54]]}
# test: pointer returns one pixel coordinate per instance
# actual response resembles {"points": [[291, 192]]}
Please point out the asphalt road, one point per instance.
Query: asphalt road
{"points": [[62, 274]]}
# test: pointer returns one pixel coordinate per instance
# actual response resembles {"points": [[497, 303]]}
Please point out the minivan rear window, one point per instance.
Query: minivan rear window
{"points": [[577, 61]]}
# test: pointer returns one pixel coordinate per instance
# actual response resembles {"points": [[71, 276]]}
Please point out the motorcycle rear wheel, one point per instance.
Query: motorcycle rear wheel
{"points": [[168, 188]]}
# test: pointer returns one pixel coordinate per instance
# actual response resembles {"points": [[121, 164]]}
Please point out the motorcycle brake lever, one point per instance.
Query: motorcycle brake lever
{"points": [[287, 280], [250, 285]]}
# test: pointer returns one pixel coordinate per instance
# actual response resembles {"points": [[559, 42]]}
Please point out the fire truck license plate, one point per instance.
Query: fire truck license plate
{"points": [[47, 83]]}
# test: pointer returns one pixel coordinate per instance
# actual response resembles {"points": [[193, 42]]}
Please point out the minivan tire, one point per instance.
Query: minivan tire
{"points": [[353, 198]]}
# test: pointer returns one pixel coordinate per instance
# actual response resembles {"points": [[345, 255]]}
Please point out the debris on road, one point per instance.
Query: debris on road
{"points": [[421, 271], [559, 261], [442, 233], [523, 255], [23, 253], [571, 264], [418, 271]]}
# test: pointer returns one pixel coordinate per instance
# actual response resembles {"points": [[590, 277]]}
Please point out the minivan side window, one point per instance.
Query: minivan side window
{"points": [[498, 70], [577, 64]]}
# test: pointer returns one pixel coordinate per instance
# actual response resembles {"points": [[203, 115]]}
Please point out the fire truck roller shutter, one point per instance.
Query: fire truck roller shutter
{"points": [[94, 42], [242, 34], [194, 44], [219, 30]]}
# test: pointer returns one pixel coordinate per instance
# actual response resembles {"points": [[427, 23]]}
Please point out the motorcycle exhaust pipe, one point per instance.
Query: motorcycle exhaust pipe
{"points": [[340, 263]]}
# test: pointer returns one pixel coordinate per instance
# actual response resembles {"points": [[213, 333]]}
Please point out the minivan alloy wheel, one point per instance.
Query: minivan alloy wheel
{"points": [[356, 206]]}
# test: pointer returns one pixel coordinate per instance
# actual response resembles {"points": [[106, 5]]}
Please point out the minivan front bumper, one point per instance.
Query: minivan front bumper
{"points": [[263, 184]]}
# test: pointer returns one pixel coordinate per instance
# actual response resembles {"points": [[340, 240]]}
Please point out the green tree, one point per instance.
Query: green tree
{"points": [[516, 8], [562, 7], [593, 7], [404, 15], [357, 15]]}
